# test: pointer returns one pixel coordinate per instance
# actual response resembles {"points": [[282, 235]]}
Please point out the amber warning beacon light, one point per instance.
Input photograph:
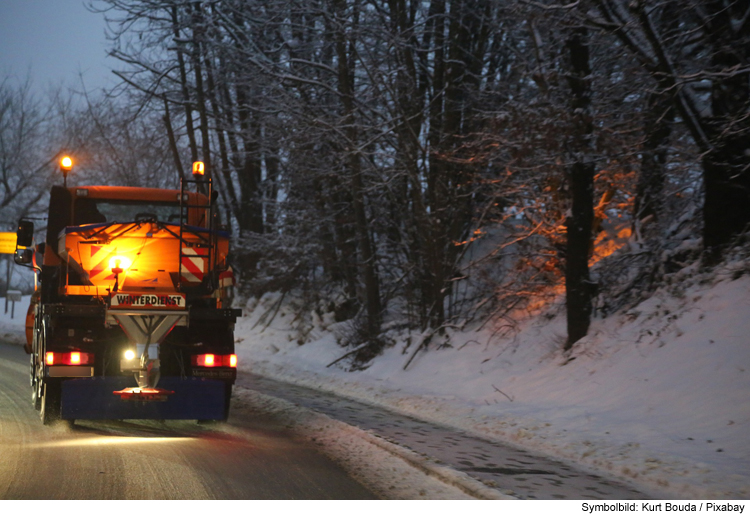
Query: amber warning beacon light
{"points": [[66, 164]]}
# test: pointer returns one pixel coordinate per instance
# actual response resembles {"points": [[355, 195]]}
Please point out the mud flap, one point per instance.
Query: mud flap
{"points": [[94, 399]]}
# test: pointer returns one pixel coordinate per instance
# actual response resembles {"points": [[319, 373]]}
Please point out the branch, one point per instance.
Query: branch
{"points": [[685, 104], [424, 339], [616, 24], [350, 353], [553, 7], [501, 392]]}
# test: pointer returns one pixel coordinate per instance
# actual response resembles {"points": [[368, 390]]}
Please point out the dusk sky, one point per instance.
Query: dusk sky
{"points": [[55, 40]]}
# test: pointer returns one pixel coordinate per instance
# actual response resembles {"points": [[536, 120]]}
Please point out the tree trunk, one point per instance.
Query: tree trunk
{"points": [[271, 190], [172, 141], [184, 86], [354, 166], [223, 178], [580, 175], [649, 199], [726, 210], [198, 43], [578, 287]]}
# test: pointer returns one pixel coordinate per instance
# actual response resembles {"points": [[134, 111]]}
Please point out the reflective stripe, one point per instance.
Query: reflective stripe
{"points": [[193, 268], [226, 278], [99, 259], [70, 372]]}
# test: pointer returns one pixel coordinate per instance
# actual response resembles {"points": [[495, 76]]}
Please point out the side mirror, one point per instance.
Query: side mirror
{"points": [[25, 233], [23, 256]]}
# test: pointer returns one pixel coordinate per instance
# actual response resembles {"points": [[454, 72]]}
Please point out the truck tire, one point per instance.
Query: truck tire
{"points": [[49, 410], [36, 395], [35, 376], [32, 370]]}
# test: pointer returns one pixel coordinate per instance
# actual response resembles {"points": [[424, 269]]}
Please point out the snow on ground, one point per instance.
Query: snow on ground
{"points": [[12, 329], [369, 459], [658, 395]]}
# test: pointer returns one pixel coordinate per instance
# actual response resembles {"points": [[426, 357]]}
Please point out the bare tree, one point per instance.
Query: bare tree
{"points": [[708, 48], [28, 157], [368, 150]]}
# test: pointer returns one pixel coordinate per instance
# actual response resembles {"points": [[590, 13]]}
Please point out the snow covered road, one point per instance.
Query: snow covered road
{"points": [[269, 449], [112, 460], [511, 471]]}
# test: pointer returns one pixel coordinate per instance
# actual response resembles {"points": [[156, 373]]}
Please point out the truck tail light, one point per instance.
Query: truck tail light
{"points": [[68, 358], [214, 360]]}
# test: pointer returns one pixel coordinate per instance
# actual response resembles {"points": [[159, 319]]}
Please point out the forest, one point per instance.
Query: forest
{"points": [[426, 164]]}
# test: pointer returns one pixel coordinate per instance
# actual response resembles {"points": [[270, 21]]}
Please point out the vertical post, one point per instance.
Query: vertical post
{"points": [[7, 283]]}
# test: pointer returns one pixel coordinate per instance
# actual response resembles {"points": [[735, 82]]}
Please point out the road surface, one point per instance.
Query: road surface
{"points": [[251, 457], [513, 471]]}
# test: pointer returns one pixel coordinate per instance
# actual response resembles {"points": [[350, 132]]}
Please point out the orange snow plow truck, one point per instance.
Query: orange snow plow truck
{"points": [[129, 317]]}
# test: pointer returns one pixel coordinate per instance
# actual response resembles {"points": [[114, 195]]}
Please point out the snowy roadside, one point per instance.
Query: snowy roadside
{"points": [[388, 470], [12, 329], [658, 397]]}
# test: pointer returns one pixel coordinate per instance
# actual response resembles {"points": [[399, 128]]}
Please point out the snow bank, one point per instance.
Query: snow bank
{"points": [[658, 396]]}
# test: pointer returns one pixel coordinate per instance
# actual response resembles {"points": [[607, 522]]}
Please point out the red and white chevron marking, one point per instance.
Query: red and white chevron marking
{"points": [[98, 264], [226, 278], [193, 268]]}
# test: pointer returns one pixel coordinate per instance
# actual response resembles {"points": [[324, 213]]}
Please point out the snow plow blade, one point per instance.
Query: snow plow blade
{"points": [[102, 398]]}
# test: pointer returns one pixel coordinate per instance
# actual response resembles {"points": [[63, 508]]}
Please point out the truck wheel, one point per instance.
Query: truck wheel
{"points": [[36, 388], [36, 397], [32, 370], [50, 406], [36, 374]]}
